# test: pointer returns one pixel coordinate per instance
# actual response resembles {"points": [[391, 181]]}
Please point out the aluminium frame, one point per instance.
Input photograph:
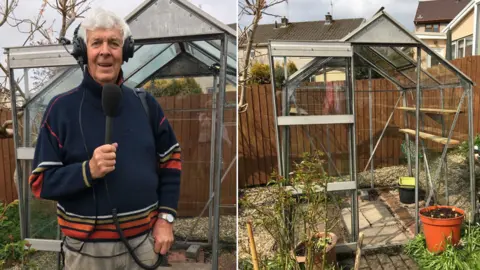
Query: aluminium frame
{"points": [[318, 55], [56, 55]]}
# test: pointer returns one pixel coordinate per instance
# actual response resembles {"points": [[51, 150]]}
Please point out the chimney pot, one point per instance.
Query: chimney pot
{"points": [[328, 18], [284, 21], [276, 25]]}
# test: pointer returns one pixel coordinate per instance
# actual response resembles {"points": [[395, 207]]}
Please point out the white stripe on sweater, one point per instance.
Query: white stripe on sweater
{"points": [[169, 150]]}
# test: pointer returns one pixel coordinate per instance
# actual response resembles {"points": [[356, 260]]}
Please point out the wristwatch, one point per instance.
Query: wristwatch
{"points": [[168, 217]]}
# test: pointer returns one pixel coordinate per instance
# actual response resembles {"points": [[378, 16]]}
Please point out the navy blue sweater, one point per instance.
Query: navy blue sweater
{"points": [[146, 179]]}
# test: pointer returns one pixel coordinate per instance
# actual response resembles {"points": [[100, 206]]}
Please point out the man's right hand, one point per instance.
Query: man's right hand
{"points": [[103, 160]]}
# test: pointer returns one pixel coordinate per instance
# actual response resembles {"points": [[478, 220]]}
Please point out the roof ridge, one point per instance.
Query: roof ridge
{"points": [[319, 21]]}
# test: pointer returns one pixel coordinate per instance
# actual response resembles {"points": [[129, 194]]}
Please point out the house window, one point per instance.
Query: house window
{"points": [[432, 27], [454, 50], [432, 60], [461, 48], [469, 46]]}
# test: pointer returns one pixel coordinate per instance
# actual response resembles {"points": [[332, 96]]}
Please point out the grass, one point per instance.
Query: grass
{"points": [[466, 256]]}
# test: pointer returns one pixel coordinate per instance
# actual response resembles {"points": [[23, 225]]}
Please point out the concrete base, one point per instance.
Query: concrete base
{"points": [[377, 223]]}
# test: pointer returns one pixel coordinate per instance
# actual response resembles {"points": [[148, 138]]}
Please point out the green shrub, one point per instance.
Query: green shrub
{"points": [[12, 248], [465, 256]]}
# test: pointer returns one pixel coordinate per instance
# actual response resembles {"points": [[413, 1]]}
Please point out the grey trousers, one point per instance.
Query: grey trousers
{"points": [[80, 261]]}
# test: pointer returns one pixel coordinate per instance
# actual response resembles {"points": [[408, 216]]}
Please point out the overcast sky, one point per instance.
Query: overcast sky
{"points": [[310, 10]]}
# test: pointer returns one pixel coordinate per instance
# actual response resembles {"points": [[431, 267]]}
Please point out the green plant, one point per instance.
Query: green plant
{"points": [[465, 256], [280, 72], [406, 149], [463, 147], [259, 73], [300, 198], [172, 87], [12, 248]]}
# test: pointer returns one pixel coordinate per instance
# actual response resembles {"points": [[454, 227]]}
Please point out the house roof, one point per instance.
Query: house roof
{"points": [[306, 31], [464, 12], [438, 10]]}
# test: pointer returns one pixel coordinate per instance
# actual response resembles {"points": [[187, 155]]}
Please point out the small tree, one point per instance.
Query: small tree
{"points": [[260, 73], [173, 87]]}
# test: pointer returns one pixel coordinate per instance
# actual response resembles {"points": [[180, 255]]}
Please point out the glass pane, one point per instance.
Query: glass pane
{"points": [[396, 58], [461, 47], [158, 62], [63, 83], [215, 52], [468, 48], [386, 67], [144, 54]]}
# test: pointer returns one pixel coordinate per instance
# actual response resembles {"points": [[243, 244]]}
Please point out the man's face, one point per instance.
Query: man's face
{"points": [[104, 51]]}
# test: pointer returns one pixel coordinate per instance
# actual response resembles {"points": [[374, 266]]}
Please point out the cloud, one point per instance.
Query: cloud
{"points": [[310, 10]]}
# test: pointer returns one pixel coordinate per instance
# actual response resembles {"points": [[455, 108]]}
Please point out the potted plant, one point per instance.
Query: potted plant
{"points": [[323, 250], [316, 249], [299, 206], [441, 224]]}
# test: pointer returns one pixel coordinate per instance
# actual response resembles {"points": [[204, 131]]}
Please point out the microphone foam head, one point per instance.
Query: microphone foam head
{"points": [[111, 98]]}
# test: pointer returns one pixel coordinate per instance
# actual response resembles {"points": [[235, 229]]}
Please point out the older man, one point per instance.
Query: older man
{"points": [[138, 175]]}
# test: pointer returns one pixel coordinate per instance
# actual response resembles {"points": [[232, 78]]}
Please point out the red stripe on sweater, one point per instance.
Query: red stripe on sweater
{"points": [[109, 234], [172, 164], [36, 182]]}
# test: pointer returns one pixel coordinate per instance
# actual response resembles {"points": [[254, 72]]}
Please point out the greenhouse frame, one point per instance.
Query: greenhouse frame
{"points": [[173, 39], [380, 45]]}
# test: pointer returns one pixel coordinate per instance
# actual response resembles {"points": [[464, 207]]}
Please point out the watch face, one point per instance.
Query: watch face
{"points": [[169, 218]]}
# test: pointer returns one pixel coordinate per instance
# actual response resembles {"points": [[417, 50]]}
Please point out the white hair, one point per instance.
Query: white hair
{"points": [[100, 18]]}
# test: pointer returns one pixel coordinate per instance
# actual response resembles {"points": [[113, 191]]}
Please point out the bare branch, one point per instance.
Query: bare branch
{"points": [[255, 8]]}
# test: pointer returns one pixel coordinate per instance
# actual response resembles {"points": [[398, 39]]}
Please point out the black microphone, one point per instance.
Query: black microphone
{"points": [[111, 97]]}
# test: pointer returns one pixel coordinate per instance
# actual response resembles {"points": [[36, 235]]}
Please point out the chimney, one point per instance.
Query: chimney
{"points": [[284, 21], [328, 18], [276, 25]]}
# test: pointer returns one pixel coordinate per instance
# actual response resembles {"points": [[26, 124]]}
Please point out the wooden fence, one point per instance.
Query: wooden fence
{"points": [[257, 143], [190, 117], [8, 191]]}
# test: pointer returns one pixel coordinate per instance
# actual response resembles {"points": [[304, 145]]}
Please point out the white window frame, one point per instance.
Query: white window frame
{"points": [[455, 42], [429, 57]]}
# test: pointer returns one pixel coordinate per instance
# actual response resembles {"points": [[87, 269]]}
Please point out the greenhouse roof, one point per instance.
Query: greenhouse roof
{"points": [[173, 38], [382, 44]]}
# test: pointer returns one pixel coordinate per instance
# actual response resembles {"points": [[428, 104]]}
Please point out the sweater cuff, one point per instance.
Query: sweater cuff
{"points": [[87, 177], [168, 210]]}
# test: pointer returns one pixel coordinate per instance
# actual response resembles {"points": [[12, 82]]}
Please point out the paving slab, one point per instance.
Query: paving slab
{"points": [[384, 235], [347, 219], [377, 214]]}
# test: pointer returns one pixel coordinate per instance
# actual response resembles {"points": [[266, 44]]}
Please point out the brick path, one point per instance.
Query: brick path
{"points": [[376, 260]]}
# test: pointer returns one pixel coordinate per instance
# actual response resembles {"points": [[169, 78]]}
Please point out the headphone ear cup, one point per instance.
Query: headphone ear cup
{"points": [[128, 48], [79, 48]]}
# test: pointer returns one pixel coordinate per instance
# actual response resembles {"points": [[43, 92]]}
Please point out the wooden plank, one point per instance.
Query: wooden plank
{"points": [[430, 110], [431, 137], [5, 162]]}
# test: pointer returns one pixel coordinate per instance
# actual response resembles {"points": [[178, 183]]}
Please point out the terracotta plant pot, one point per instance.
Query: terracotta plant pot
{"points": [[318, 256], [439, 231]]}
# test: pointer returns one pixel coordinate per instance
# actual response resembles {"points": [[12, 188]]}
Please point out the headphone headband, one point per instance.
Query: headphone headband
{"points": [[79, 51]]}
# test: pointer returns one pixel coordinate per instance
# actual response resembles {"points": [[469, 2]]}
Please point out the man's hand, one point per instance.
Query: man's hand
{"points": [[163, 235], [103, 160]]}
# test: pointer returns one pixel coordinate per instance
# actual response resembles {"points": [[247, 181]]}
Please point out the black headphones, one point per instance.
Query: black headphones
{"points": [[79, 51]]}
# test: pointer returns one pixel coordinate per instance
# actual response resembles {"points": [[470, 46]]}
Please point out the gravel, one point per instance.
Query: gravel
{"points": [[458, 188]]}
